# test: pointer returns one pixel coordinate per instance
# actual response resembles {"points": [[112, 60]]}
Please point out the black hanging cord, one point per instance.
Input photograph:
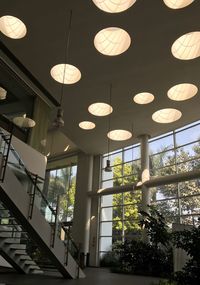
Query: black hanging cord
{"points": [[109, 120], [66, 54], [132, 146], [52, 141]]}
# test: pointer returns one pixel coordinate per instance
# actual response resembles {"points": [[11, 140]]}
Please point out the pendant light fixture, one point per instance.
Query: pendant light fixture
{"points": [[24, 122], [108, 167], [3, 93], [50, 152], [64, 74]]}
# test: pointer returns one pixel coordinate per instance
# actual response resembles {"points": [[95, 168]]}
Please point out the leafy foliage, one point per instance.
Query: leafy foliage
{"points": [[137, 257], [189, 240], [156, 227]]}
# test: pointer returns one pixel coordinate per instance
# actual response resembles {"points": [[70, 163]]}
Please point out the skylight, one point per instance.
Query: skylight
{"points": [[112, 41], [12, 27], [65, 73]]}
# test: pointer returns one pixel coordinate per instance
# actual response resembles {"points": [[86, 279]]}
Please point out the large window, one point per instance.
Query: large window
{"points": [[119, 212], [177, 152], [125, 165], [62, 182], [172, 153]]}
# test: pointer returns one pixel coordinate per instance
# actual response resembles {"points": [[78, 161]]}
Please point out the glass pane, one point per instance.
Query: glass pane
{"points": [[63, 182], [117, 239], [115, 158], [117, 213], [170, 220], [164, 192], [127, 168], [108, 184], [131, 213], [162, 159], [131, 154], [185, 166], [137, 167], [105, 243], [106, 200], [106, 229], [106, 214], [127, 180], [190, 220], [132, 197], [167, 170], [189, 135], [187, 188], [190, 150], [107, 175], [117, 228], [190, 205], [117, 174], [161, 144], [196, 164], [132, 168], [132, 229], [117, 199], [167, 208]]}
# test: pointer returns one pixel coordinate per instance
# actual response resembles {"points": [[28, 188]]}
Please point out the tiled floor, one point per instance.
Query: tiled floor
{"points": [[95, 276]]}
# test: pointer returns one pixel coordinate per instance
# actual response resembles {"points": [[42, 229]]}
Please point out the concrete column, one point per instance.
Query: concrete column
{"points": [[145, 173], [38, 134], [94, 220], [82, 207], [145, 176]]}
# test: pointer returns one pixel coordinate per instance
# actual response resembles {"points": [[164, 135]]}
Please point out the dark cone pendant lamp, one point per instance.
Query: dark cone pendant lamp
{"points": [[108, 167], [59, 121]]}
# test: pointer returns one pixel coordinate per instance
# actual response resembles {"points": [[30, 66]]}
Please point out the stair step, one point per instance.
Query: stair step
{"points": [[12, 240], [33, 267], [5, 234], [18, 246], [35, 271], [20, 252], [4, 228], [25, 257], [29, 262]]}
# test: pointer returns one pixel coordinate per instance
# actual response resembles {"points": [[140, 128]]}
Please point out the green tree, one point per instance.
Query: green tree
{"points": [[125, 210], [64, 184]]}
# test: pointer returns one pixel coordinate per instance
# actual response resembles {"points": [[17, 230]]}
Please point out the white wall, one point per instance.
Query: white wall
{"points": [[34, 161]]}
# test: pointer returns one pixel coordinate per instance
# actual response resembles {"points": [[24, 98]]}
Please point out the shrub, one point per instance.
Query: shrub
{"points": [[137, 257]]}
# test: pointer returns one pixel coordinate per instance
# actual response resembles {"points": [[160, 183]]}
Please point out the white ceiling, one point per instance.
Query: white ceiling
{"points": [[147, 66]]}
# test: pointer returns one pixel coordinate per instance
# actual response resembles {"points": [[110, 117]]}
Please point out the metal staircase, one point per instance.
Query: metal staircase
{"points": [[27, 219]]}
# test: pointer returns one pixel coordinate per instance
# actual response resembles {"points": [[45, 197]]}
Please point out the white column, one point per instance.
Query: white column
{"points": [[145, 173], [82, 207], [94, 222]]}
